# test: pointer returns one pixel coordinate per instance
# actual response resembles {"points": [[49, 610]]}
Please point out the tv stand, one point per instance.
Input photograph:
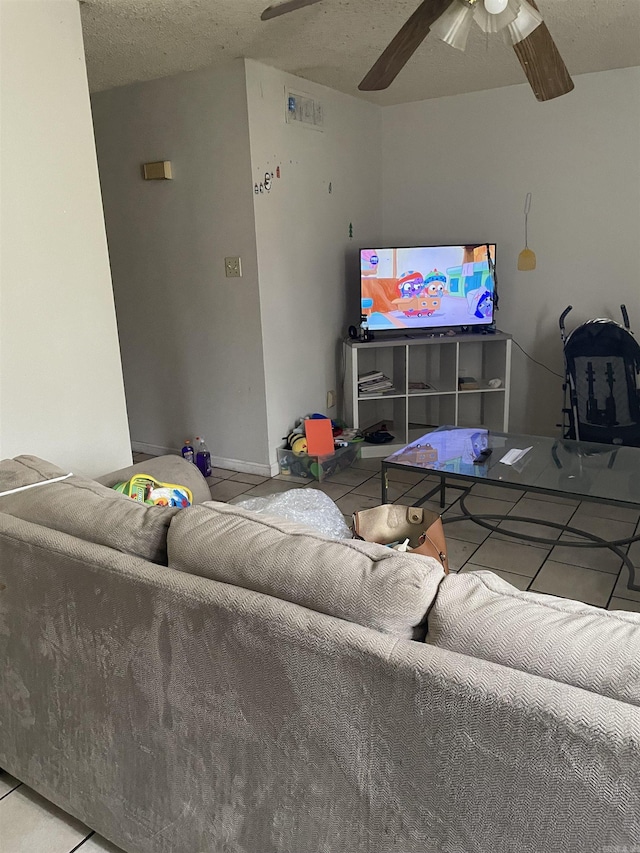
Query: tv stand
{"points": [[436, 360]]}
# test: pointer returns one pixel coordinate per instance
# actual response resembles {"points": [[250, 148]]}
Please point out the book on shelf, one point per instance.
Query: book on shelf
{"points": [[364, 392], [370, 386], [370, 380], [375, 383], [371, 376], [468, 383]]}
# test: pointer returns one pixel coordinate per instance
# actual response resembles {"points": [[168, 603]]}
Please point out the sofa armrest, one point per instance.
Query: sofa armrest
{"points": [[167, 469]]}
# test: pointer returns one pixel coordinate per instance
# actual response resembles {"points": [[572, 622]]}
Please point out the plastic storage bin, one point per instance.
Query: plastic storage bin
{"points": [[306, 467]]}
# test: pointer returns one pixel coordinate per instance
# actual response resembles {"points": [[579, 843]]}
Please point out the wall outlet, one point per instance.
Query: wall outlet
{"points": [[331, 399], [233, 267]]}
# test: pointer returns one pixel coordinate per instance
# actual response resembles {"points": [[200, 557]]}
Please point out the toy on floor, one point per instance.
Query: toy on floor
{"points": [[305, 465], [147, 490]]}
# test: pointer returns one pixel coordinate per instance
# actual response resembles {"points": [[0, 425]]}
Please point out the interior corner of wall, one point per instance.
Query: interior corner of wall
{"points": [[251, 70]]}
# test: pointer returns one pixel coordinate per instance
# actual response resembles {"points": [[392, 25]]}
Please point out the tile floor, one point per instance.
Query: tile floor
{"points": [[29, 824], [590, 575]]}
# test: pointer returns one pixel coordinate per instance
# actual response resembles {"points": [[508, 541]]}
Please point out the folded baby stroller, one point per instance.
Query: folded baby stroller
{"points": [[602, 363]]}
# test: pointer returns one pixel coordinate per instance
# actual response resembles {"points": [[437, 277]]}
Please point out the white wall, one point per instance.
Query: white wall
{"points": [[457, 170], [251, 355], [61, 389], [308, 264], [191, 338], [237, 359]]}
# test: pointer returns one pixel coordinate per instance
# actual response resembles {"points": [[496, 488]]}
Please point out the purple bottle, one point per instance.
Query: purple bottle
{"points": [[187, 452], [203, 457]]}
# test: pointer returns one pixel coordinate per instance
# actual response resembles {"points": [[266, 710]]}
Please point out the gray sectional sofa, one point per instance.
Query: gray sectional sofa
{"points": [[207, 680]]}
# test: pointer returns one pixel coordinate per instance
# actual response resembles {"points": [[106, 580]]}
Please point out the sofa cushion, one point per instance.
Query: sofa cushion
{"points": [[85, 509], [25, 471], [352, 580], [481, 615]]}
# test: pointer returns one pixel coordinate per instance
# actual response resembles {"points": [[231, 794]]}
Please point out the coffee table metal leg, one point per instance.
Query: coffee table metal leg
{"points": [[443, 492], [593, 541], [385, 482]]}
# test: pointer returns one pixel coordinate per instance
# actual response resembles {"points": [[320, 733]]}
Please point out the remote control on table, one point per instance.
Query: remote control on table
{"points": [[482, 457]]}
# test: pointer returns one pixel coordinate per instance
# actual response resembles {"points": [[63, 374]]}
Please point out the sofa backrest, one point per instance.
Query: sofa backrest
{"points": [[83, 508], [26, 471], [480, 614], [171, 713], [358, 581]]}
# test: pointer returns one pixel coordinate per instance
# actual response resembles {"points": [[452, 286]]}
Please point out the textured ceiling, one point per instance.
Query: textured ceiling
{"points": [[337, 41]]}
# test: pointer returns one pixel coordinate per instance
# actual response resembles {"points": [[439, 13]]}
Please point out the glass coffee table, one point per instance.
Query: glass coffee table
{"points": [[585, 471]]}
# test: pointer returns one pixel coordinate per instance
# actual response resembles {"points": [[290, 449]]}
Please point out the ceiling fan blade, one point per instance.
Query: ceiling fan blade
{"points": [[403, 46], [541, 61], [288, 6]]}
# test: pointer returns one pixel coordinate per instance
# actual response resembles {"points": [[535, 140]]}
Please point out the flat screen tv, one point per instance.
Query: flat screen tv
{"points": [[428, 287]]}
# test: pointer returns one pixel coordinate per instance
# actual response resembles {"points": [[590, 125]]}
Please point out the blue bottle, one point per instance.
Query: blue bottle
{"points": [[203, 458], [187, 451]]}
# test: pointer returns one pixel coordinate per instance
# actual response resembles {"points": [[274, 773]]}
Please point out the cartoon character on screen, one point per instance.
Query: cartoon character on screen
{"points": [[480, 303], [430, 300], [484, 307], [414, 300], [436, 284], [410, 284]]}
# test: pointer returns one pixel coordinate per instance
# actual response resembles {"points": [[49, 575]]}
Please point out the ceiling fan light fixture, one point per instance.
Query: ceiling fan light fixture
{"points": [[528, 20], [492, 22], [495, 7], [454, 25]]}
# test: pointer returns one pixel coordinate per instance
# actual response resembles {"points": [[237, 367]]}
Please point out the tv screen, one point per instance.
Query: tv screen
{"points": [[425, 287]]}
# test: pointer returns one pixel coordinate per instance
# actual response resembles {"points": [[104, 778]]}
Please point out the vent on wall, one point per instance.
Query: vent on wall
{"points": [[303, 109]]}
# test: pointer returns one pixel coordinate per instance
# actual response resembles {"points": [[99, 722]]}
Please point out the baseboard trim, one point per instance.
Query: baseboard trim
{"points": [[372, 451], [262, 470], [244, 467], [154, 449]]}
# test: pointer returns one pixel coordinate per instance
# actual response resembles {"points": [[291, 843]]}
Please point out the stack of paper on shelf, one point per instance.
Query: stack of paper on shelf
{"points": [[373, 383]]}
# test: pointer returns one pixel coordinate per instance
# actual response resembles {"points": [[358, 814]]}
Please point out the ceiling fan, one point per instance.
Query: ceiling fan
{"points": [[451, 20]]}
